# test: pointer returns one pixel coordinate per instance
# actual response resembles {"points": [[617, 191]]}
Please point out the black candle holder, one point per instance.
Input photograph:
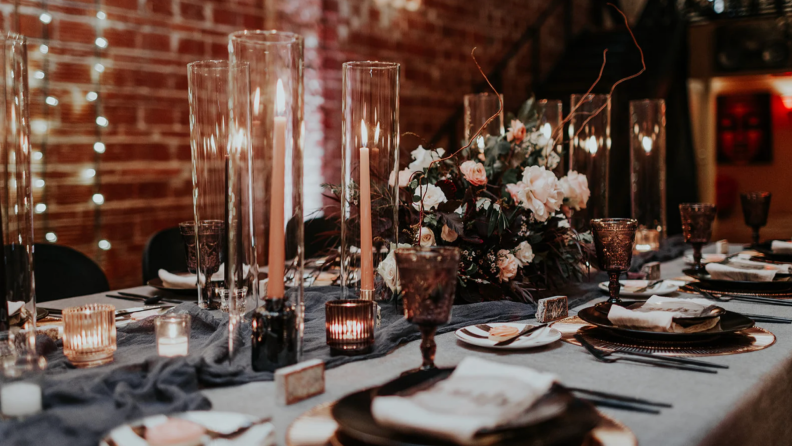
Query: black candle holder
{"points": [[275, 336]]}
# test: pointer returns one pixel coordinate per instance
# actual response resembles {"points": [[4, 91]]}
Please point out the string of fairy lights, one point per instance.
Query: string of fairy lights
{"points": [[41, 127]]}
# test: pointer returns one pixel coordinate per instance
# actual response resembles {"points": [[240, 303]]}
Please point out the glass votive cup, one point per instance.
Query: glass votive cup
{"points": [[20, 376], [235, 305], [349, 325], [89, 335], [173, 334]]}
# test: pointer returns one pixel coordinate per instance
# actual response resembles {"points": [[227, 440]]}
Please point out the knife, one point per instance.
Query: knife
{"points": [[522, 333], [139, 309]]}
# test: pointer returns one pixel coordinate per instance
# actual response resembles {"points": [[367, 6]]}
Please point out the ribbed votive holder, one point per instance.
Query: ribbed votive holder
{"points": [[89, 335], [349, 325]]}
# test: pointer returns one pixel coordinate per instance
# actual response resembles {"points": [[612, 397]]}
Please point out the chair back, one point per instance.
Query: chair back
{"points": [[62, 272], [164, 250]]}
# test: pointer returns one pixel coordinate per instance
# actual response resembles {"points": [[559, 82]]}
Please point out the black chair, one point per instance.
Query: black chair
{"points": [[320, 235], [164, 250], [62, 272]]}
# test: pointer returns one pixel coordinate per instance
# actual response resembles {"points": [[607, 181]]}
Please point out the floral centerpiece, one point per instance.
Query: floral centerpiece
{"points": [[503, 206]]}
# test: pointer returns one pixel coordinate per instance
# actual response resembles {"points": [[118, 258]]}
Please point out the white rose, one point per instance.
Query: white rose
{"points": [[563, 223], [507, 264], [474, 173], [543, 193], [539, 139], [524, 253], [575, 189], [427, 237], [387, 267], [552, 160], [431, 199], [448, 234], [423, 158]]}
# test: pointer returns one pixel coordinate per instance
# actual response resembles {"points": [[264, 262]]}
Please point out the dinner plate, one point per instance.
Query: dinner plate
{"points": [[765, 249], [706, 258], [157, 283], [730, 322], [782, 282], [541, 337], [558, 418], [661, 289], [225, 428]]}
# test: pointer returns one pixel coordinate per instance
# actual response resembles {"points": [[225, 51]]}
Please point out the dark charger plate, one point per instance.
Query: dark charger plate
{"points": [[765, 248], [556, 419], [730, 322], [782, 282]]}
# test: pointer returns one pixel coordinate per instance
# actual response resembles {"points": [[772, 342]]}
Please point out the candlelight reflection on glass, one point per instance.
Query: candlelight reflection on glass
{"points": [[589, 153], [89, 335], [349, 325], [647, 172], [173, 334]]}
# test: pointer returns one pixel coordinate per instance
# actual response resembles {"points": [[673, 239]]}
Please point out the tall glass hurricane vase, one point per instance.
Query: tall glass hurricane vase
{"points": [[589, 152], [369, 172], [16, 204], [648, 172], [479, 108], [550, 116], [276, 139], [209, 136]]}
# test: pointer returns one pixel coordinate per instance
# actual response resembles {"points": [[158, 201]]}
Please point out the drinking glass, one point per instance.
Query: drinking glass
{"points": [[428, 278], [205, 261], [613, 239], [589, 152], [755, 206], [648, 172], [697, 221]]}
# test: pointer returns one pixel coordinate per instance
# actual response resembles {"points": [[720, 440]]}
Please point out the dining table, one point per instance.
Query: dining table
{"points": [[746, 404]]}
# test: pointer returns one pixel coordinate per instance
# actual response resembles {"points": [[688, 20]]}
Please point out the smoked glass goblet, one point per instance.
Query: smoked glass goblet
{"points": [[428, 279], [697, 221], [206, 260], [755, 206], [613, 239]]}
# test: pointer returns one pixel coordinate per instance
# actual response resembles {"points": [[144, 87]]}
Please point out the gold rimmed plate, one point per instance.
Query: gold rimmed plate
{"points": [[781, 282], [730, 322]]}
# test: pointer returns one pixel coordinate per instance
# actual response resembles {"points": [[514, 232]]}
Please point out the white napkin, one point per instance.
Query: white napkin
{"points": [[751, 264], [724, 272], [658, 314], [14, 307], [781, 247], [171, 280], [479, 394]]}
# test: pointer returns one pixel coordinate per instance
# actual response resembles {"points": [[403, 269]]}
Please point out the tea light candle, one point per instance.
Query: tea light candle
{"points": [[89, 334], [173, 334], [349, 325], [20, 399]]}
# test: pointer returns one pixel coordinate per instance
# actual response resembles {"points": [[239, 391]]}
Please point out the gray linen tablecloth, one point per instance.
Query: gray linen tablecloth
{"points": [[745, 405]]}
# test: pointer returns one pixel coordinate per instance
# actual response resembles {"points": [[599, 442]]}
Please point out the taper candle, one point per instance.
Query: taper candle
{"points": [[277, 250], [366, 258]]}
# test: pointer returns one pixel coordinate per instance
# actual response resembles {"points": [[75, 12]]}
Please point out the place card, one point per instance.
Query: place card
{"points": [[299, 381], [651, 270], [722, 247], [552, 309]]}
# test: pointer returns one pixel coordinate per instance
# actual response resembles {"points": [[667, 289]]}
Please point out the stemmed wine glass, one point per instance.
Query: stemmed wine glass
{"points": [[614, 238], [428, 279], [697, 221], [209, 240], [755, 206]]}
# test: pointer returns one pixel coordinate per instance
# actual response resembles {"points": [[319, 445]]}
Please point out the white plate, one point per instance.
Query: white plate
{"points": [[706, 258], [661, 289], [540, 337], [262, 434]]}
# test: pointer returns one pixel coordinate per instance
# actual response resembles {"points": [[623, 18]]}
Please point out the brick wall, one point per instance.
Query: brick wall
{"points": [[144, 173]]}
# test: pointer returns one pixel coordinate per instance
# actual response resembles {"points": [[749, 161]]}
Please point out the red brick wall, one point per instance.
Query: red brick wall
{"points": [[144, 174]]}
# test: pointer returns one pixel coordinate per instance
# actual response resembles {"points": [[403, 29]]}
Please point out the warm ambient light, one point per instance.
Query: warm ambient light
{"points": [[51, 100], [787, 100], [646, 143], [101, 42], [99, 147], [91, 96], [45, 18], [41, 208], [104, 245], [98, 198], [51, 237], [44, 49]]}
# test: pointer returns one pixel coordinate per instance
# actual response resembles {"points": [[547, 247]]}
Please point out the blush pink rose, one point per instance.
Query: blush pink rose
{"points": [[474, 173], [516, 132], [507, 265], [544, 195], [576, 190]]}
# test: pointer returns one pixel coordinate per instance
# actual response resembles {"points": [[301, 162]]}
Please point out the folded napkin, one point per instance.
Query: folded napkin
{"points": [[658, 314], [478, 395], [781, 247], [14, 306], [171, 280], [751, 264], [725, 272]]}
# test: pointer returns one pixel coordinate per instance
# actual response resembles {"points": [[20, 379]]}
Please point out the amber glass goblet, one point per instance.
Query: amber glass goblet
{"points": [[755, 206], [697, 221], [613, 239], [428, 279], [206, 260]]}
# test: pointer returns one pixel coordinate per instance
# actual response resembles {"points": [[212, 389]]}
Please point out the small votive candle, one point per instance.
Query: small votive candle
{"points": [[19, 399], [173, 334], [349, 325], [89, 334]]}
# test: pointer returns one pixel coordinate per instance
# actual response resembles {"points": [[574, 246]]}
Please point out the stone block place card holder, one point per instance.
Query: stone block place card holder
{"points": [[552, 309]]}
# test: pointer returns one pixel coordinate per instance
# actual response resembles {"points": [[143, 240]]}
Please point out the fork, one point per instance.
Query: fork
{"points": [[603, 356]]}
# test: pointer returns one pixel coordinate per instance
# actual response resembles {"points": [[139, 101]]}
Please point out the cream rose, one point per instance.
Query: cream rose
{"points": [[423, 158], [576, 191], [507, 265], [474, 173], [543, 194], [516, 132], [524, 253], [431, 199], [387, 268], [427, 237], [448, 234]]}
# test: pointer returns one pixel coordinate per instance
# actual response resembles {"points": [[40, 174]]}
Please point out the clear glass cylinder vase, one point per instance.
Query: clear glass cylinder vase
{"points": [[369, 176], [479, 107], [276, 140], [17, 291], [549, 121], [648, 172], [589, 152]]}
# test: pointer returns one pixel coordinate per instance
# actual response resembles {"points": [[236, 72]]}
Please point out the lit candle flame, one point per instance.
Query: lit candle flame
{"points": [[376, 134], [591, 145], [363, 133], [546, 130], [280, 99], [646, 142]]}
